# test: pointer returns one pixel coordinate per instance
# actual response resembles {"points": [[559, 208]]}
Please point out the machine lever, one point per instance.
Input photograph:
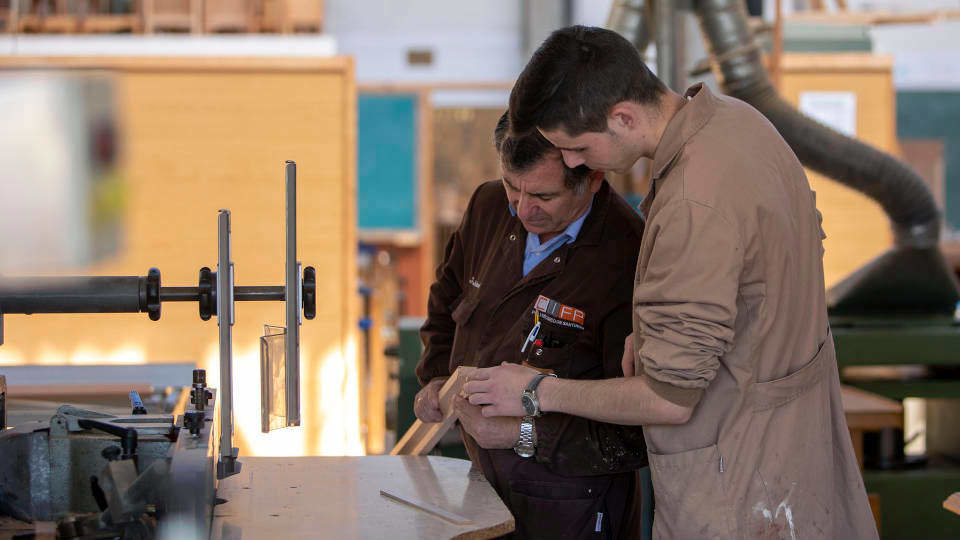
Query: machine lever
{"points": [[128, 436], [98, 495]]}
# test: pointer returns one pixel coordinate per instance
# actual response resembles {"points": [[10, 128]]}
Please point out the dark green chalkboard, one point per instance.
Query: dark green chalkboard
{"points": [[935, 115], [387, 190]]}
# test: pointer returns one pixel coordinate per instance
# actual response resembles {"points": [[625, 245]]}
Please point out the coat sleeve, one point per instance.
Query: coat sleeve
{"points": [[575, 446], [438, 330], [685, 299]]}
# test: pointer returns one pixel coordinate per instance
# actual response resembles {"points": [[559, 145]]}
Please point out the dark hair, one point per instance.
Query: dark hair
{"points": [[576, 76], [520, 153]]}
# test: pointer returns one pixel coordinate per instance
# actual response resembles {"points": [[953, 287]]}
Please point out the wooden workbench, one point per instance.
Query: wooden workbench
{"points": [[339, 497], [868, 412]]}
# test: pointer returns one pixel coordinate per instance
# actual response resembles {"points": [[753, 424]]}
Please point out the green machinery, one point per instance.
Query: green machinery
{"points": [[910, 497]]}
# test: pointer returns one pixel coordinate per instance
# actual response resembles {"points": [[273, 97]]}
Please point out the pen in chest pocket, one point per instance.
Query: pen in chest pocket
{"points": [[533, 332]]}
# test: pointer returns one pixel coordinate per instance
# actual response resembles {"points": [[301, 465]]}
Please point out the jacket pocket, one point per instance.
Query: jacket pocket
{"points": [[464, 311], [547, 359], [690, 499], [552, 510], [551, 350], [779, 392], [461, 315]]}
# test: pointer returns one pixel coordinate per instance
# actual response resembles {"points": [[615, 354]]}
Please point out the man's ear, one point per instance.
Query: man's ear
{"points": [[623, 115], [595, 180]]}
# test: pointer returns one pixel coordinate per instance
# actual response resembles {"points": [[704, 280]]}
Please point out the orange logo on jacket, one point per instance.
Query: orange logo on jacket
{"points": [[561, 311]]}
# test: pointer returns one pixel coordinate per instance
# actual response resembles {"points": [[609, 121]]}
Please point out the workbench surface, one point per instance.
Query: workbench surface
{"points": [[339, 497]]}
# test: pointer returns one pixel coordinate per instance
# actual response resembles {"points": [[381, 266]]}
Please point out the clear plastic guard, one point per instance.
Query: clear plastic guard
{"points": [[273, 386]]}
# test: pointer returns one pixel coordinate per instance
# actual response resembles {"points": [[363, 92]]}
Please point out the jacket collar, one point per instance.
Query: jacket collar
{"points": [[591, 234], [684, 124]]}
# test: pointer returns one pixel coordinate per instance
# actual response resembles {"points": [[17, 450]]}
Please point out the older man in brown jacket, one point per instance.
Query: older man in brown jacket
{"points": [[539, 273], [737, 384]]}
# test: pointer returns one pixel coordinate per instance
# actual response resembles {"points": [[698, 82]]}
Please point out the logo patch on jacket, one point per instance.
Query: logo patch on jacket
{"points": [[558, 313]]}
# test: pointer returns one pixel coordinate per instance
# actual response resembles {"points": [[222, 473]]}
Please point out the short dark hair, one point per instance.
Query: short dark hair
{"points": [[520, 153], [576, 76]]}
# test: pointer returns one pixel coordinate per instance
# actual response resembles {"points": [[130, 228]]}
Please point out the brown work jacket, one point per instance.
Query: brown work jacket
{"points": [[481, 312], [730, 311]]}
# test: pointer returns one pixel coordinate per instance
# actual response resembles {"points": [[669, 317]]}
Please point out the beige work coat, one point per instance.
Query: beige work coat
{"points": [[730, 311]]}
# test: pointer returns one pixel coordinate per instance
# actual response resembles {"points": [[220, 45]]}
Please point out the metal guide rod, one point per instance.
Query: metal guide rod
{"points": [[293, 290], [246, 293], [225, 322]]}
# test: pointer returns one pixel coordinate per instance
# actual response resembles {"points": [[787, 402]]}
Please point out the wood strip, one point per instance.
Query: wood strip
{"points": [[428, 508], [844, 62], [333, 64], [44, 530], [952, 503], [476, 85], [423, 436], [874, 500], [26, 391], [777, 54], [875, 17]]}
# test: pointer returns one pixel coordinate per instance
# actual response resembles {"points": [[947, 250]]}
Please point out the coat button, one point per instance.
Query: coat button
{"points": [[539, 352], [556, 259], [513, 237]]}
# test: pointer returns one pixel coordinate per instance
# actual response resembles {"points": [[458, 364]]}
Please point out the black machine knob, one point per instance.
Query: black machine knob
{"points": [[208, 293], [111, 453], [309, 292], [150, 294], [193, 422], [199, 395]]}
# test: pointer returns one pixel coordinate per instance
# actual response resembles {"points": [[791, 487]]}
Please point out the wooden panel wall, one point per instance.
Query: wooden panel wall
{"points": [[857, 228], [198, 135]]}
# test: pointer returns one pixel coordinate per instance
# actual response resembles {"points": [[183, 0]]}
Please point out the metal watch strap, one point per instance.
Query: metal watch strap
{"points": [[526, 445]]}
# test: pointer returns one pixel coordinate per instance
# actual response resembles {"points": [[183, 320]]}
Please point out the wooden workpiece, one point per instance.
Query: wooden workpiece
{"points": [[423, 436], [339, 497], [952, 503]]}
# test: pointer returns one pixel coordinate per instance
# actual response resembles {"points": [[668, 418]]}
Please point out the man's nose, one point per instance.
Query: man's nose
{"points": [[572, 159], [525, 207]]}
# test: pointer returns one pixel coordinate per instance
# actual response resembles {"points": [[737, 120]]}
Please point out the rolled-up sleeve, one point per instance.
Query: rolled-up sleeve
{"points": [[576, 446], [685, 298]]}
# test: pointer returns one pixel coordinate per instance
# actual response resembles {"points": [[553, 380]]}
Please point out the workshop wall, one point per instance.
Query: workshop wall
{"points": [[857, 228], [198, 135]]}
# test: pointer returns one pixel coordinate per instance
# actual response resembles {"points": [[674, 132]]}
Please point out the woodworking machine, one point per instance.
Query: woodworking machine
{"points": [[149, 474]]}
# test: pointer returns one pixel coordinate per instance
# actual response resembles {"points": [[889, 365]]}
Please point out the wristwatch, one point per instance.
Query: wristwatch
{"points": [[527, 445], [531, 405]]}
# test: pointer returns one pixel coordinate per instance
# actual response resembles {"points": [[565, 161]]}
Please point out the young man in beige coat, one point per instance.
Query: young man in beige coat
{"points": [[735, 376]]}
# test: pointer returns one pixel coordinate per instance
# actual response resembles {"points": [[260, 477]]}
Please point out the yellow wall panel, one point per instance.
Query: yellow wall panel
{"points": [[198, 135], [857, 228]]}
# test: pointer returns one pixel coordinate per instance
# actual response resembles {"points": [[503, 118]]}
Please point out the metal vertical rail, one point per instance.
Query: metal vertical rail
{"points": [[225, 321], [293, 291], [670, 46]]}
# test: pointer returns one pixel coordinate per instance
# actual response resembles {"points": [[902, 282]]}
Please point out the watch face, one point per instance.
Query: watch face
{"points": [[524, 451], [529, 406]]}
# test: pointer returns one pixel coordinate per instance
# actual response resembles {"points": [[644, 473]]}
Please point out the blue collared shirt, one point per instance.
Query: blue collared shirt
{"points": [[535, 252]]}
